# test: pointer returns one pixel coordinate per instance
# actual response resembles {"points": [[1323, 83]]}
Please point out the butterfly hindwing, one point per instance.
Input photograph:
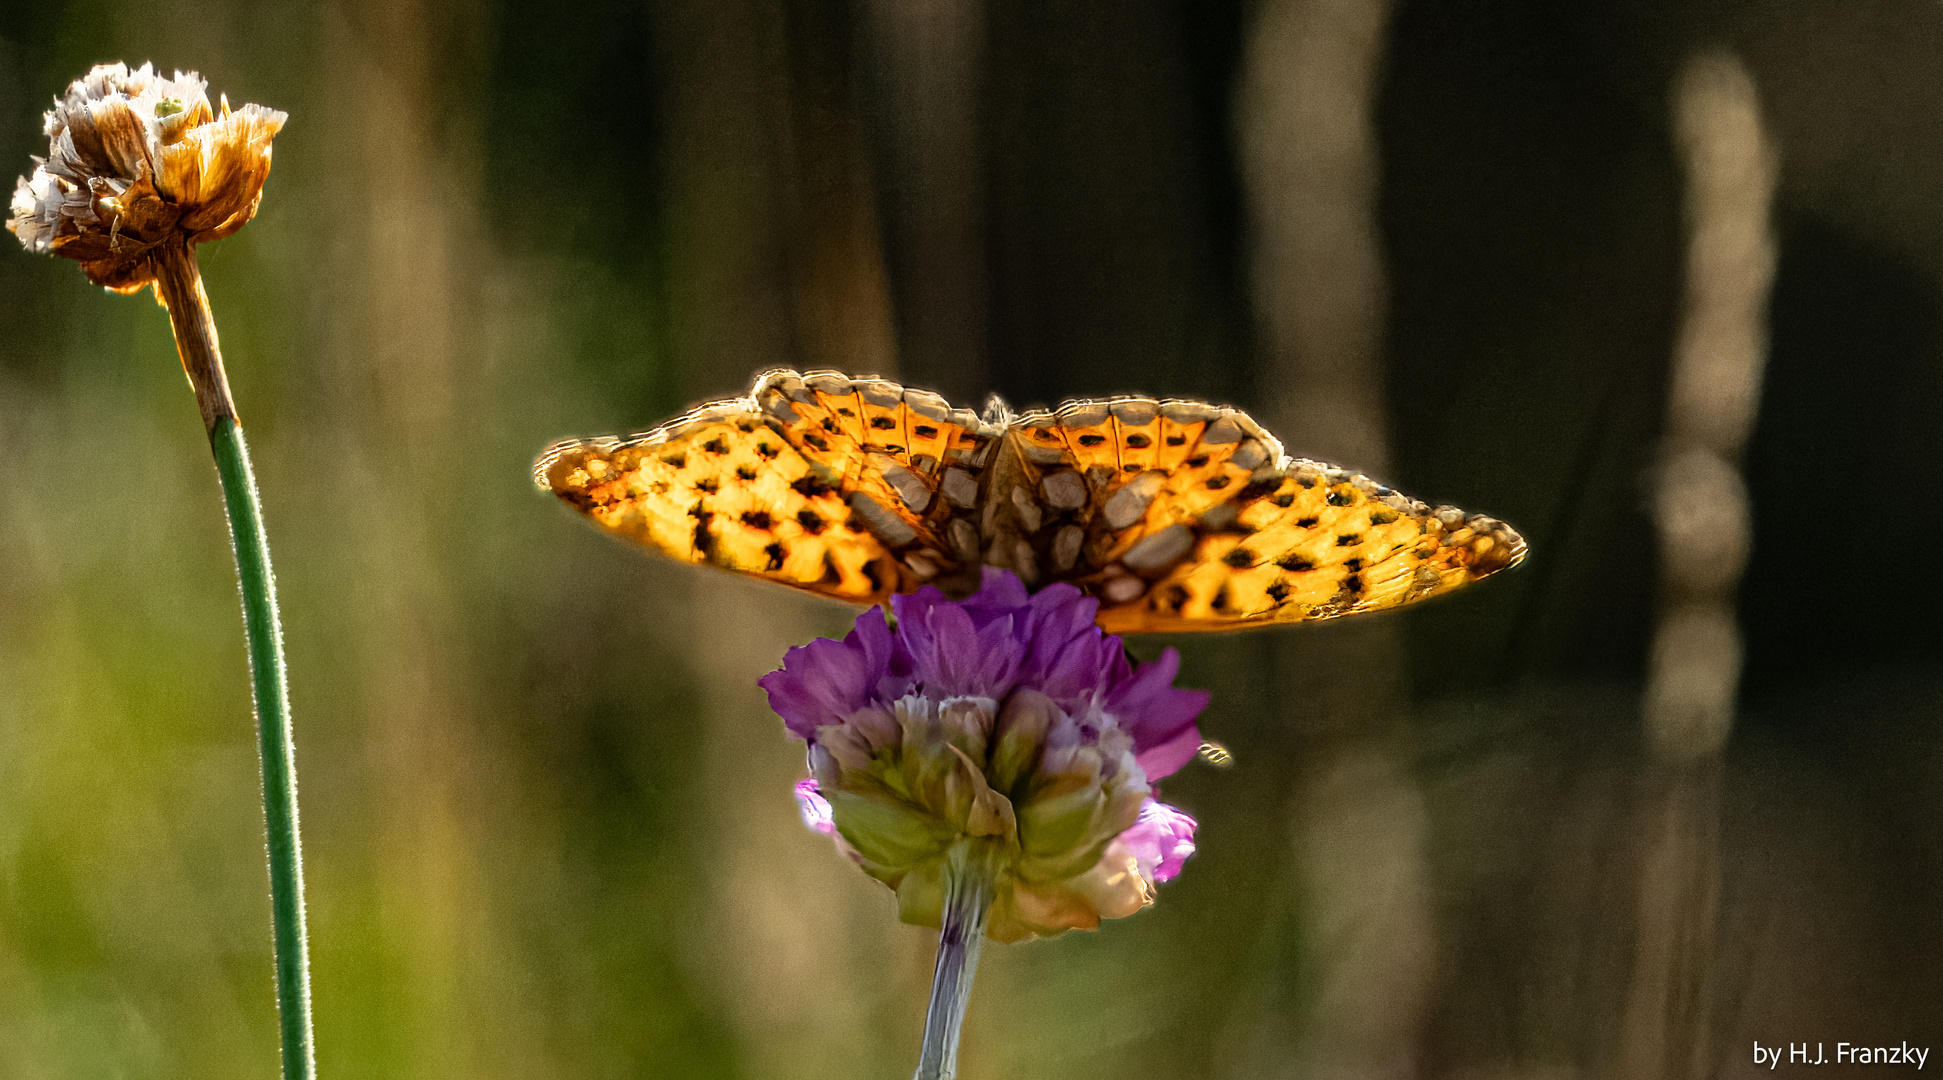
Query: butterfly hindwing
{"points": [[1177, 515], [912, 468], [1096, 488]]}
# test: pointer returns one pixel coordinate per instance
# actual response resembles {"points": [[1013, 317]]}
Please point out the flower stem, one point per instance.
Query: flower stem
{"points": [[180, 284], [968, 897]]}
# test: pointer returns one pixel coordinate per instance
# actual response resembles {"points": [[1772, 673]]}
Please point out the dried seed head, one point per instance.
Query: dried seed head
{"points": [[135, 159]]}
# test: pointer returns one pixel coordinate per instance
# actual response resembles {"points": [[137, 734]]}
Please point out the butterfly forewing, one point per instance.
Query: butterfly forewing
{"points": [[842, 487], [722, 487], [1177, 515], [1301, 542]]}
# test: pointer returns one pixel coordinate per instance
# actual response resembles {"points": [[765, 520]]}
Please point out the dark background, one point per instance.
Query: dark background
{"points": [[546, 811]]}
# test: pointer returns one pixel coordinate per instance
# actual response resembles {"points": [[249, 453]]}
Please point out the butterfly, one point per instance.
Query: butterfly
{"points": [[1176, 515]]}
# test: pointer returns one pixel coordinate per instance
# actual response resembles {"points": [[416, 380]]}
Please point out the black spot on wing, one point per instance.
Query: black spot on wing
{"points": [[810, 487], [704, 543]]}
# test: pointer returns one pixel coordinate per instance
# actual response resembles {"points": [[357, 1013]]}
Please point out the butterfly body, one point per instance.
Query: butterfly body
{"points": [[1177, 515]]}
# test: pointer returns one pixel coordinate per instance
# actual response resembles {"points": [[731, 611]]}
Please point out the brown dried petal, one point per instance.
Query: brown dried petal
{"points": [[234, 162], [1054, 908], [119, 178], [1115, 886], [124, 141], [121, 275]]}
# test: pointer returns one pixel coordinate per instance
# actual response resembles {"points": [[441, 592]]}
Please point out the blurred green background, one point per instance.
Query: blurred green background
{"points": [[546, 811]]}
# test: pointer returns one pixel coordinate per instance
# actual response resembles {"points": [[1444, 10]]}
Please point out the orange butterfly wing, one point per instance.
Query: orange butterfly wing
{"points": [[839, 487], [1192, 519], [1176, 515]]}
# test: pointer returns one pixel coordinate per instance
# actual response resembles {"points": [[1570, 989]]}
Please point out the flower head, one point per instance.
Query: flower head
{"points": [[135, 159], [1007, 722]]}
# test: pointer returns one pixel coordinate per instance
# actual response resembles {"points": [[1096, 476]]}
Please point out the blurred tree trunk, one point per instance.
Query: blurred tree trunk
{"points": [[1703, 518], [1348, 1001], [839, 285], [924, 72], [774, 261]]}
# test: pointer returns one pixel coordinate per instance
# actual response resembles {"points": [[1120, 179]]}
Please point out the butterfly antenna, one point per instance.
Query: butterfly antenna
{"points": [[997, 412]]}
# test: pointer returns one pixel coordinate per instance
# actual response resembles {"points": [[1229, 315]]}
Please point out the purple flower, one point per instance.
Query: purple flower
{"points": [[1160, 841], [816, 809], [825, 681], [1005, 729], [998, 640]]}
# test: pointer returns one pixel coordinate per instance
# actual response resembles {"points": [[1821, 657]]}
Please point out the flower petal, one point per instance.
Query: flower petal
{"points": [[1150, 708], [1161, 840], [1167, 758], [817, 814], [825, 681]]}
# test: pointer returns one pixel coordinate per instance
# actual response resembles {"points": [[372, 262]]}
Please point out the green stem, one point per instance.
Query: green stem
{"points": [[968, 897], [271, 690], [178, 281]]}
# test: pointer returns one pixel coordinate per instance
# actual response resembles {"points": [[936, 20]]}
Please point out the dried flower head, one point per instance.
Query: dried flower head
{"points": [[135, 159], [1006, 725]]}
